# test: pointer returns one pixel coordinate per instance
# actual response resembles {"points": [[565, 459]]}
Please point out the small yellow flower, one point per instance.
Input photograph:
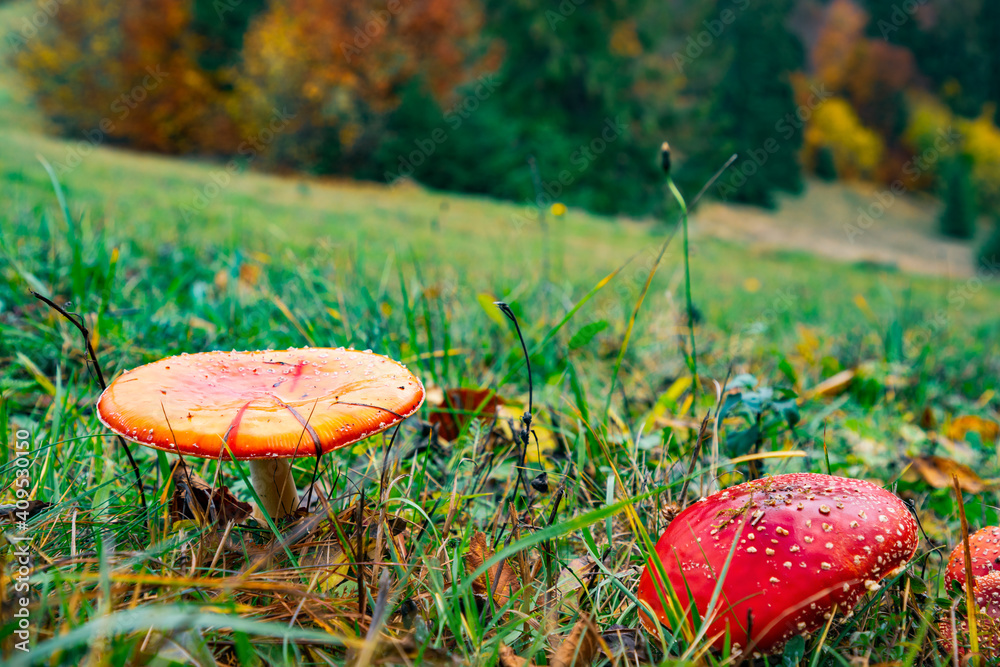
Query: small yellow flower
{"points": [[558, 209], [751, 284]]}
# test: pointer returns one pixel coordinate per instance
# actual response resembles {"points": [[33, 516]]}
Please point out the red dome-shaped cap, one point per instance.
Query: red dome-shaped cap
{"points": [[804, 543], [986, 591], [281, 403], [984, 547]]}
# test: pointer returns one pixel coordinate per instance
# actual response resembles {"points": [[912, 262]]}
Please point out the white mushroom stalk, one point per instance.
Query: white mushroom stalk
{"points": [[272, 480]]}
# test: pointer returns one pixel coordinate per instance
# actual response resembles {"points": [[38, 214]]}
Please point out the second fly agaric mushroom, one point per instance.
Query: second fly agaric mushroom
{"points": [[266, 407], [986, 592], [984, 547], [803, 543]]}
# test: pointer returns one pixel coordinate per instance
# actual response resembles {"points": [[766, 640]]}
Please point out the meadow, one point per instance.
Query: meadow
{"points": [[160, 256]]}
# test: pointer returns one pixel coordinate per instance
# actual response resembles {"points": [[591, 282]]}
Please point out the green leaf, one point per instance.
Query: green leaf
{"points": [[789, 410], [741, 441], [730, 402], [795, 650], [742, 381], [788, 371], [586, 334]]}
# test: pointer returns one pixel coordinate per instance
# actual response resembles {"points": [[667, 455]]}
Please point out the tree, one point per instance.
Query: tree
{"points": [[221, 25], [953, 42], [341, 68], [958, 219], [754, 111], [574, 91]]}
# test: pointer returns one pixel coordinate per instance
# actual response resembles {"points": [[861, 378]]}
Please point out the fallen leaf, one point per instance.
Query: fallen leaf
{"points": [[578, 573], [502, 580], [986, 428], [938, 471], [410, 650], [626, 643], [510, 659], [579, 647], [249, 274], [460, 406], [832, 386], [12, 514], [194, 498]]}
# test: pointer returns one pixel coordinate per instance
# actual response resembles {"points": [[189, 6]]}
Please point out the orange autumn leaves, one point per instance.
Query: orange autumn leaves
{"points": [[499, 581], [335, 68], [341, 64]]}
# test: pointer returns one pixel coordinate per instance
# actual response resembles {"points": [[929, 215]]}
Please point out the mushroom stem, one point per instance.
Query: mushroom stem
{"points": [[273, 482]]}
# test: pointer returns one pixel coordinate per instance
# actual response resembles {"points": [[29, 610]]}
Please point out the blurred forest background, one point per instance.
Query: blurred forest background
{"points": [[457, 94]]}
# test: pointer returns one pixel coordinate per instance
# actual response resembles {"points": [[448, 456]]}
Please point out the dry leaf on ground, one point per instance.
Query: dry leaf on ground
{"points": [[194, 498], [626, 644], [578, 573], [938, 471], [831, 386], [510, 659], [987, 429], [458, 407], [577, 649], [502, 580], [580, 646]]}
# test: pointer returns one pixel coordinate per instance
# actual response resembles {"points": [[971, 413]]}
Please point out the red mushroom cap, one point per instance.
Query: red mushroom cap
{"points": [[805, 543], [984, 547], [986, 591], [282, 403]]}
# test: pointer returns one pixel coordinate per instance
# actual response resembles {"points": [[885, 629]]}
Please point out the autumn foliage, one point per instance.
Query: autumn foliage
{"points": [[342, 67], [146, 73], [126, 72]]}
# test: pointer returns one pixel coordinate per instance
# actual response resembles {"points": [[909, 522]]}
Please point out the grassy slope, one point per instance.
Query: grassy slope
{"points": [[275, 261]]}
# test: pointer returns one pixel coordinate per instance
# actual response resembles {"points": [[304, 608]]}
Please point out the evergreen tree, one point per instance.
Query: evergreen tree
{"points": [[956, 49], [989, 253], [221, 25], [573, 90], [958, 219], [753, 112]]}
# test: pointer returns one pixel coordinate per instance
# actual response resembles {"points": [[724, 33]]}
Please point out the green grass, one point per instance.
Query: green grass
{"points": [[280, 261]]}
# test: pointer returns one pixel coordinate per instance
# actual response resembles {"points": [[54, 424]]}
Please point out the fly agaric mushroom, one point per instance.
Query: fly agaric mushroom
{"points": [[804, 543], [986, 589], [266, 407], [984, 547]]}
